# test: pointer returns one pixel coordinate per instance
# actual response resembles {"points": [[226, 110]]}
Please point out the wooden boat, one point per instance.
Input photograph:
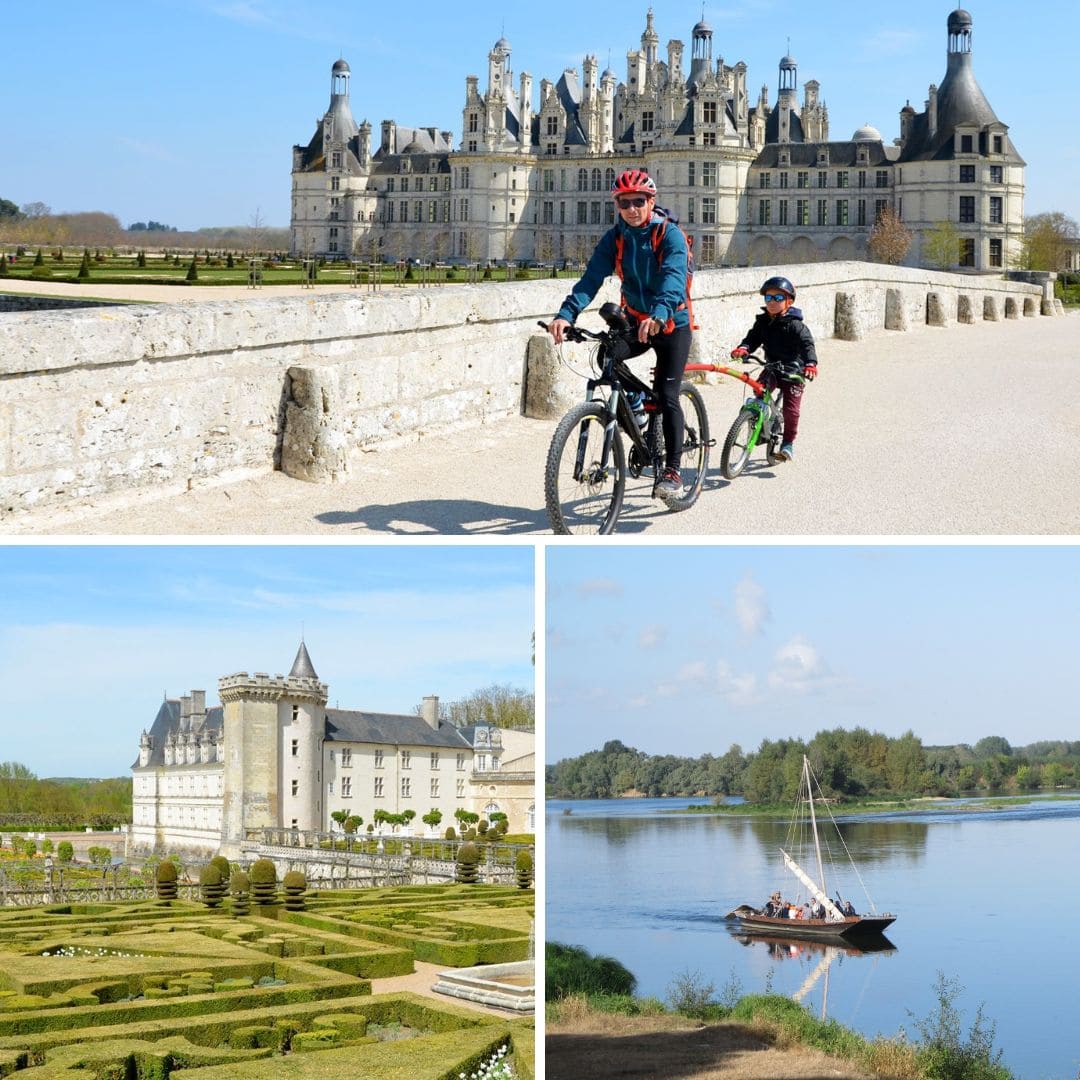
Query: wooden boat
{"points": [[835, 925]]}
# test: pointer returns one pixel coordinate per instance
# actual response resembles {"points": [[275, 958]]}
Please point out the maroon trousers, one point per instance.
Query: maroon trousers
{"points": [[790, 404]]}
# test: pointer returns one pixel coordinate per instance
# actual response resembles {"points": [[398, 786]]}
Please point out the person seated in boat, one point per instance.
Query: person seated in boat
{"points": [[817, 909], [849, 910], [772, 906], [794, 911]]}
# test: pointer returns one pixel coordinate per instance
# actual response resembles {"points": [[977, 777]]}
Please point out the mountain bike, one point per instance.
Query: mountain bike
{"points": [[760, 420], [587, 463]]}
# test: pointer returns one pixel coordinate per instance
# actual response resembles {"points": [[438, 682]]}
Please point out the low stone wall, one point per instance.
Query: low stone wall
{"points": [[167, 397]]}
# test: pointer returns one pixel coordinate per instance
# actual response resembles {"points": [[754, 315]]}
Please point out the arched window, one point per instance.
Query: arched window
{"points": [[583, 180], [609, 179], [597, 180]]}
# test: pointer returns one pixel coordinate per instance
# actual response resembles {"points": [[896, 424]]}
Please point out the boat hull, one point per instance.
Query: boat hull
{"points": [[860, 926]]}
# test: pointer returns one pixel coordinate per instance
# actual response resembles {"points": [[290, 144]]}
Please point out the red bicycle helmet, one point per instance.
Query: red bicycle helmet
{"points": [[634, 182]]}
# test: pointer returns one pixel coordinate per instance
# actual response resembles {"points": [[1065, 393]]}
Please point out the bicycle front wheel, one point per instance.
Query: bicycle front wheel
{"points": [[739, 444], [584, 496], [694, 459]]}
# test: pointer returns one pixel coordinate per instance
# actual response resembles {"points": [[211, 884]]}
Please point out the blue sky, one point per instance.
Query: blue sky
{"points": [[687, 650], [185, 111], [92, 638]]}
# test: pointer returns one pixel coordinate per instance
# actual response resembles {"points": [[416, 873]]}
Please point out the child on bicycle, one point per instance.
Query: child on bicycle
{"points": [[786, 340], [652, 260]]}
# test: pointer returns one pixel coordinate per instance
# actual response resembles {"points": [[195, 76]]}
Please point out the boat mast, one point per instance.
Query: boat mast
{"points": [[813, 824]]}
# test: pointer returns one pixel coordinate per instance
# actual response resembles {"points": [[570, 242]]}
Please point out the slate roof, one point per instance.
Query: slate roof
{"points": [[168, 719], [347, 725], [841, 155]]}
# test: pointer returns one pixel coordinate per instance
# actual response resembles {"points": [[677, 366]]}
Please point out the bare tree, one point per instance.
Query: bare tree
{"points": [[890, 239]]}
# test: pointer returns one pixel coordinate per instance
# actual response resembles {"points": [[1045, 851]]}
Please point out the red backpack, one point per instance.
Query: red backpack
{"points": [[659, 229]]}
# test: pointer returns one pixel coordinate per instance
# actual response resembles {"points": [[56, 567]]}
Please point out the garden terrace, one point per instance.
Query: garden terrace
{"points": [[144, 989]]}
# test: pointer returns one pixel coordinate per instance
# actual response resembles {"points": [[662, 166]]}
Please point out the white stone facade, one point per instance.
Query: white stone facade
{"points": [[752, 184], [281, 760]]}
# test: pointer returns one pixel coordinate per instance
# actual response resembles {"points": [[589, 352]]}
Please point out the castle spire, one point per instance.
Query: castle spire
{"points": [[302, 666]]}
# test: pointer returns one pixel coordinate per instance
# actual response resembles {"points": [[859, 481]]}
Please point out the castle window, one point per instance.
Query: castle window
{"points": [[997, 209], [765, 212], [880, 206], [881, 178], [841, 211], [765, 180], [552, 127], [549, 213], [842, 178], [474, 122], [594, 213], [784, 179], [690, 174], [378, 759], [460, 762], [582, 213], [406, 787], [346, 757], [433, 211], [967, 209], [296, 787], [404, 183], [967, 144], [690, 211], [996, 253], [296, 708], [481, 762], [583, 179], [999, 144], [296, 748], [967, 174], [335, 183], [783, 207], [708, 174], [434, 789], [435, 759], [433, 183], [597, 180], [378, 787], [406, 759], [335, 160], [647, 121], [418, 211], [802, 179], [997, 174], [708, 211], [708, 250], [822, 179], [330, 788], [708, 112], [822, 212], [860, 218], [549, 180], [967, 251], [389, 211], [460, 789], [708, 138], [403, 210], [346, 787]]}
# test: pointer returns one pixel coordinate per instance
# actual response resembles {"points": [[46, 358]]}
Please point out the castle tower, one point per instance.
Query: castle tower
{"points": [[787, 101], [273, 731], [701, 53], [338, 124], [650, 40]]}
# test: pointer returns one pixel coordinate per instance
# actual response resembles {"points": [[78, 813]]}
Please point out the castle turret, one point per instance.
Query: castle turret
{"points": [[273, 731], [146, 744]]}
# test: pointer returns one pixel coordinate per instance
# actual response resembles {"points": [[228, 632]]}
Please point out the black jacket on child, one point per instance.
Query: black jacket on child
{"points": [[785, 339]]}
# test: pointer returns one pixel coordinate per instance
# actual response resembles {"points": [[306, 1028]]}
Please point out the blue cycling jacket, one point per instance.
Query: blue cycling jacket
{"points": [[654, 282]]}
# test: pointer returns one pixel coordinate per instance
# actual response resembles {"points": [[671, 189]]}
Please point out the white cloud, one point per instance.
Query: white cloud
{"points": [[600, 586], [799, 668], [751, 605], [651, 636]]}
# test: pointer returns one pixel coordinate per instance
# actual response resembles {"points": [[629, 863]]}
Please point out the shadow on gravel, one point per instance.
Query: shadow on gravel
{"points": [[445, 517]]}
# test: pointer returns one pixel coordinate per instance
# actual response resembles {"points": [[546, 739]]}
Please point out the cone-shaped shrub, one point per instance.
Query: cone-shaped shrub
{"points": [[263, 882], [84, 266], [240, 888], [523, 868], [166, 880], [192, 271], [3, 266], [468, 862], [295, 885], [211, 885], [450, 834]]}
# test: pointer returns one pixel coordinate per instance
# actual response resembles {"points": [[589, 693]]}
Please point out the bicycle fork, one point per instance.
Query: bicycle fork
{"points": [[610, 421]]}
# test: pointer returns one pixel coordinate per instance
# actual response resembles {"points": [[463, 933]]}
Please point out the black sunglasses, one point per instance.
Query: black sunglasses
{"points": [[637, 203], [774, 297]]}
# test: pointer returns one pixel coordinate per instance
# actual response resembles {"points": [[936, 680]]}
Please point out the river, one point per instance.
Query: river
{"points": [[984, 896]]}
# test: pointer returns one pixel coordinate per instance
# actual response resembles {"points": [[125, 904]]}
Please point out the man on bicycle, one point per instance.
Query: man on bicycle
{"points": [[787, 341], [652, 259]]}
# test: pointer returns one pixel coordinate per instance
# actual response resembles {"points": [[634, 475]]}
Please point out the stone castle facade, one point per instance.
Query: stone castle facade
{"points": [[753, 182], [273, 756]]}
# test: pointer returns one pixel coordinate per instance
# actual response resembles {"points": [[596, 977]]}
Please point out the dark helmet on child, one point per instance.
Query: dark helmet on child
{"points": [[634, 182], [778, 284]]}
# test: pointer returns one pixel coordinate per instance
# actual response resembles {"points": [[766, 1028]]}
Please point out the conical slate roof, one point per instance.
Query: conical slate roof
{"points": [[302, 667]]}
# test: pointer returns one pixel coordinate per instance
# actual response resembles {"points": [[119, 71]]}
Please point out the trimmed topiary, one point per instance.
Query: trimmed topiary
{"points": [[523, 869], [295, 885], [166, 880], [467, 871], [240, 888], [263, 882], [211, 885], [223, 866], [450, 834], [64, 851]]}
